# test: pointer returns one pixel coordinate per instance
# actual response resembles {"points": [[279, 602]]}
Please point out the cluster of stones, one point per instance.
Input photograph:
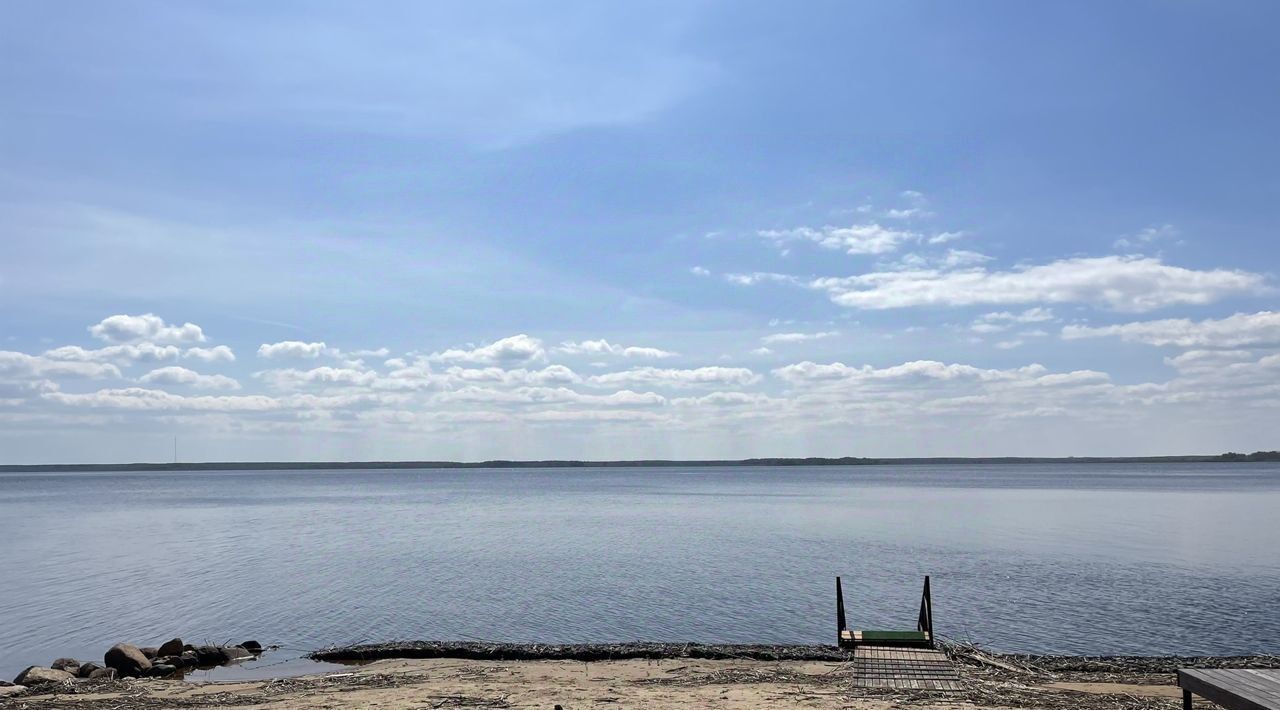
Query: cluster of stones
{"points": [[127, 661]]}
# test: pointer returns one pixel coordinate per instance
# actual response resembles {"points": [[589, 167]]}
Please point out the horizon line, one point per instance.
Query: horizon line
{"points": [[1228, 457]]}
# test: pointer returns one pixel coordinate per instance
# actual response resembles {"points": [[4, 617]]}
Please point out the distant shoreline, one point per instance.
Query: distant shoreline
{"points": [[655, 463]]}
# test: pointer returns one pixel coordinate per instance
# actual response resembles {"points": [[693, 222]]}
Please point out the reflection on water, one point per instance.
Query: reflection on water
{"points": [[1055, 558]]}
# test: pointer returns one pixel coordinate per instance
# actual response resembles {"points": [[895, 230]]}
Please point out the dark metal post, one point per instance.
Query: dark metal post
{"points": [[839, 611], [925, 622]]}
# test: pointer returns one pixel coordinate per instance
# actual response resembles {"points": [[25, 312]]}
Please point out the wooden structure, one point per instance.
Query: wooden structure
{"points": [[1232, 688], [922, 637], [903, 668]]}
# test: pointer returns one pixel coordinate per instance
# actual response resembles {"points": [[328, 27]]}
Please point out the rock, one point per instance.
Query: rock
{"points": [[87, 668], [69, 665], [127, 660], [161, 670], [172, 647], [188, 659], [150, 652], [36, 675], [252, 647], [236, 653], [8, 690], [210, 655], [103, 674]]}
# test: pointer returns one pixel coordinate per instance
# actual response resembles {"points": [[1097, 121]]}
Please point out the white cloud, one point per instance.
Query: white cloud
{"points": [[762, 351], [811, 372], [1146, 237], [604, 347], [1120, 283], [174, 375], [657, 377], [514, 349], [218, 353], [15, 364], [756, 277], [140, 398], [1003, 320], [726, 399], [776, 338], [552, 375], [1204, 360], [699, 271], [951, 259], [944, 237], [856, 239], [292, 348], [120, 354], [1241, 329], [148, 326], [292, 378]]}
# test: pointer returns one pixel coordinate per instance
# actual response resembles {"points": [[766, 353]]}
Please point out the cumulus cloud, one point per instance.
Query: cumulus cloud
{"points": [[1116, 282], [660, 377], [811, 372], [1241, 329], [141, 398], [699, 271], [15, 364], [547, 376], [292, 348], [515, 349], [290, 378], [856, 239], [148, 326], [604, 347], [1003, 320], [120, 354], [174, 375], [218, 353], [775, 338], [1206, 360]]}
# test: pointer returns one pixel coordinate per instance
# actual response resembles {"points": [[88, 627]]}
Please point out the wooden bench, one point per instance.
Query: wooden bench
{"points": [[1232, 688], [922, 637]]}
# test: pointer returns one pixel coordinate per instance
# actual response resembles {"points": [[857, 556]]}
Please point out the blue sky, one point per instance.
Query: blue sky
{"points": [[596, 230]]}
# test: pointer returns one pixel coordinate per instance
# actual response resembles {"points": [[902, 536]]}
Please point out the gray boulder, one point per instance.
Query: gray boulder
{"points": [[7, 690], [149, 652], [172, 647], [188, 659], [69, 665], [87, 668], [103, 674], [36, 675], [127, 660], [236, 653], [252, 647]]}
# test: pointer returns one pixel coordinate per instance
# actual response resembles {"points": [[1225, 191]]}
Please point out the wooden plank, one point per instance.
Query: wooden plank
{"points": [[1233, 690], [1265, 684]]}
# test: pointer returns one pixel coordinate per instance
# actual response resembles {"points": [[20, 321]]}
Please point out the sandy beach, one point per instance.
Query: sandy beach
{"points": [[631, 683]]}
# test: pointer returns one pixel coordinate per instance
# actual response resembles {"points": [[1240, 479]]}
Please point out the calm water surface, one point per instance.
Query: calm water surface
{"points": [[1046, 558]]}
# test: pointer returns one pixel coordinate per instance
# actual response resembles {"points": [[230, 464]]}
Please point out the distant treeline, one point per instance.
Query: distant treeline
{"points": [[843, 461]]}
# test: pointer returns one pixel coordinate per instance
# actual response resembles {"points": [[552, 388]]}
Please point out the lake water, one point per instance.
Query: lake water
{"points": [[1142, 559]]}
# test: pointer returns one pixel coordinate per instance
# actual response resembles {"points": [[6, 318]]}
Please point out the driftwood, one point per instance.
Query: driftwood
{"points": [[476, 650]]}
